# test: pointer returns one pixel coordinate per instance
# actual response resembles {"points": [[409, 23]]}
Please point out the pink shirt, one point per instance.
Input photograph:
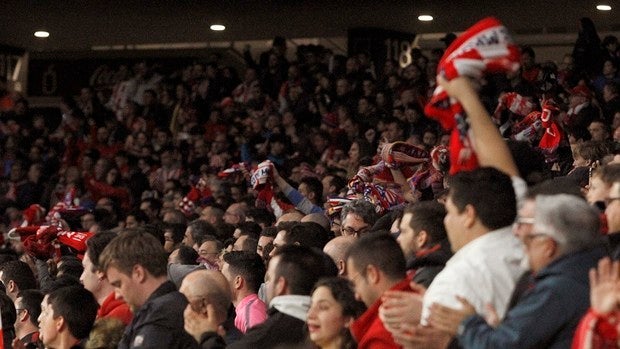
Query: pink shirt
{"points": [[251, 311]]}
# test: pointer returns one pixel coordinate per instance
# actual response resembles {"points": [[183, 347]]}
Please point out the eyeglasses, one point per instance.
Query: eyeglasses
{"points": [[348, 231], [610, 200], [519, 221], [529, 237]]}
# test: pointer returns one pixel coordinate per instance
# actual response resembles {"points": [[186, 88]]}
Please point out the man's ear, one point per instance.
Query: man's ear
{"points": [[11, 286], [373, 275], [470, 216], [139, 273], [59, 323], [238, 282], [281, 286], [342, 267], [421, 239]]}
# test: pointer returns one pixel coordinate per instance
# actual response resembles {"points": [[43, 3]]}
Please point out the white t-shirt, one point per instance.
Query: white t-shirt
{"points": [[483, 271]]}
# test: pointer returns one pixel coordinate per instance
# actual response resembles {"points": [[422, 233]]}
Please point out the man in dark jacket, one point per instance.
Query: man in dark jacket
{"points": [[290, 277], [424, 241], [135, 264]]}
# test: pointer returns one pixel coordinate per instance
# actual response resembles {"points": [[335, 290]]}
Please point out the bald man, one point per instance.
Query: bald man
{"points": [[319, 218], [337, 249], [209, 297]]}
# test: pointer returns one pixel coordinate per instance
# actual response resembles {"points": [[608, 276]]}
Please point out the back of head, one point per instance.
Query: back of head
{"points": [[428, 216], [489, 191], [20, 273], [319, 218], [187, 255], [134, 247], [308, 234], [382, 251], [261, 216], [77, 306], [338, 247], [248, 265], [570, 221], [302, 267]]}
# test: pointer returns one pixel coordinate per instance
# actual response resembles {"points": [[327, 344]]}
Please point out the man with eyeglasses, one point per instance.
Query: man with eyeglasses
{"points": [[357, 217], [28, 309]]}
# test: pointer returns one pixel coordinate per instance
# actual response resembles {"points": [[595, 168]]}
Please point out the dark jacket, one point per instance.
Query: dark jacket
{"points": [[279, 330], [428, 263], [613, 245], [547, 315], [159, 322], [212, 340]]}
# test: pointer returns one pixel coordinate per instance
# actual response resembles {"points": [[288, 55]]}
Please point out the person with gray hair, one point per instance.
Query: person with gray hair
{"points": [[357, 217], [562, 246]]}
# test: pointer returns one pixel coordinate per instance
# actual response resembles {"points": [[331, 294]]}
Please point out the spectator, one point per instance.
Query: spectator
{"points": [[67, 316], [135, 265], [245, 272], [331, 312], [375, 265], [28, 308], [289, 280]]}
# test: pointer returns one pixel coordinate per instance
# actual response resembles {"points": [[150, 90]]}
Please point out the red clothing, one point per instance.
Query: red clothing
{"points": [[368, 330], [115, 308], [596, 332]]}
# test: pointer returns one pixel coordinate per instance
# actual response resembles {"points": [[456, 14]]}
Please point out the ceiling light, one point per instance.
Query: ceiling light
{"points": [[603, 7], [41, 34], [425, 18], [217, 27]]}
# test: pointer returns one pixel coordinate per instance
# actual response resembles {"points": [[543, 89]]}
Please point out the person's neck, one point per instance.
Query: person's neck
{"points": [[103, 292], [149, 286], [25, 329], [65, 341], [240, 295], [335, 343]]}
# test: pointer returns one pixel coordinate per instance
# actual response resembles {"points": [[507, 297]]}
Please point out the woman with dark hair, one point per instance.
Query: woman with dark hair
{"points": [[332, 310]]}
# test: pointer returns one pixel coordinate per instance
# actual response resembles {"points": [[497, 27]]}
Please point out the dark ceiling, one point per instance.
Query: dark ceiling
{"points": [[79, 25]]}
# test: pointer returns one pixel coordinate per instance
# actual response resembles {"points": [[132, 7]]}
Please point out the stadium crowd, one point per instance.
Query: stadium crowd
{"points": [[321, 202]]}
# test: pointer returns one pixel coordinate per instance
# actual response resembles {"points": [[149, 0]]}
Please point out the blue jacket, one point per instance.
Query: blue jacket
{"points": [[547, 314]]}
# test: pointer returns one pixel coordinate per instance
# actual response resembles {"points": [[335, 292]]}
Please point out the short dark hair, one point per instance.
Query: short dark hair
{"points": [[70, 265], [248, 265], [200, 229], [77, 306], [31, 302], [96, 244], [261, 216], [20, 273], [269, 232], [428, 216], [302, 267], [177, 230], [381, 250], [315, 186], [187, 255], [489, 191], [252, 229], [307, 234], [135, 247]]}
